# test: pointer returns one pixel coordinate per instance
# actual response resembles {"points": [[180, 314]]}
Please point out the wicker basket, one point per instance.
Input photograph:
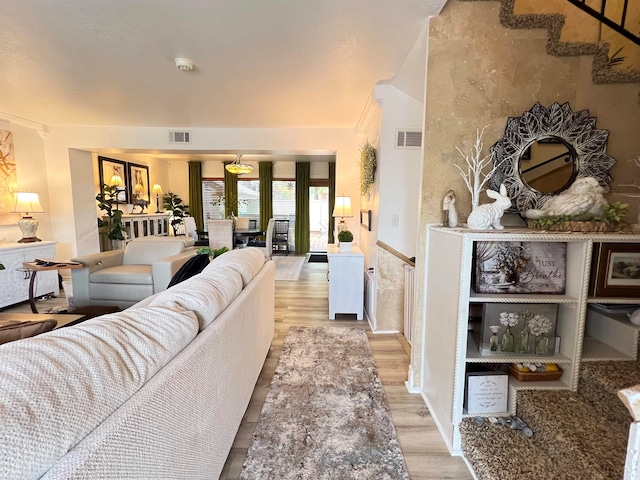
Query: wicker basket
{"points": [[534, 376], [576, 226]]}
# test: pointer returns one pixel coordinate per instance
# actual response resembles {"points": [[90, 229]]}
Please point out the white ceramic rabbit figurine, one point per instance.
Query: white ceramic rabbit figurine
{"points": [[488, 215]]}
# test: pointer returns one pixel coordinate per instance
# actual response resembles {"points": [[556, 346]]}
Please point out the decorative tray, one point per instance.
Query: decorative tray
{"points": [[534, 376]]}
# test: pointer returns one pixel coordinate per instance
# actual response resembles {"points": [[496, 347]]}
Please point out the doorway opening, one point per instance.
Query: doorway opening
{"points": [[318, 216]]}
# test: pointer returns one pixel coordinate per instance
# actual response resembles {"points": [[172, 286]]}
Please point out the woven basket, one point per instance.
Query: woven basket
{"points": [[534, 376], [576, 226]]}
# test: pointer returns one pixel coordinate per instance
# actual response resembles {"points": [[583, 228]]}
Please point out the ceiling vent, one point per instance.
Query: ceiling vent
{"points": [[179, 137], [408, 139]]}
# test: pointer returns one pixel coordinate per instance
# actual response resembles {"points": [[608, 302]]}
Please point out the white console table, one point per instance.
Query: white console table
{"points": [[346, 281], [146, 225], [15, 278]]}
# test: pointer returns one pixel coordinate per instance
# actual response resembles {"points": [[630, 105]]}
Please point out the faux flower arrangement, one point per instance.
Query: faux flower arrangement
{"points": [[509, 319], [494, 328], [539, 325]]}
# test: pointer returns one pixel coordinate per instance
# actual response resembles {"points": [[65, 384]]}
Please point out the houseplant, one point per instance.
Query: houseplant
{"points": [[213, 253], [173, 203], [345, 237], [368, 165], [113, 227], [610, 220]]}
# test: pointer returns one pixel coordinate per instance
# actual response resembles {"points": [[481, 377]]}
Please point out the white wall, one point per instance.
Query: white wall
{"points": [[399, 170], [76, 235]]}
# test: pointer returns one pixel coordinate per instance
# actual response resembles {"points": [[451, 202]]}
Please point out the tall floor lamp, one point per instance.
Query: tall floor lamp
{"points": [[157, 189]]}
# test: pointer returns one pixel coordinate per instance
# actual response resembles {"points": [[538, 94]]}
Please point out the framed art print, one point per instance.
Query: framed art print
{"points": [[139, 190], [615, 270], [365, 219], [113, 172]]}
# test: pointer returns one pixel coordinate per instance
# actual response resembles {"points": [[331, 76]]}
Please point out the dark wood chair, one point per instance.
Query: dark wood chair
{"points": [[281, 236]]}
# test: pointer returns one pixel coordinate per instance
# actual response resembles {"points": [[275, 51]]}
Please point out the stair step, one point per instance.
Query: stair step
{"points": [[574, 434], [600, 382], [500, 453]]}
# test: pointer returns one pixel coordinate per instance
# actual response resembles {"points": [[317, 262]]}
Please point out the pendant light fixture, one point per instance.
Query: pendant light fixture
{"points": [[238, 167]]}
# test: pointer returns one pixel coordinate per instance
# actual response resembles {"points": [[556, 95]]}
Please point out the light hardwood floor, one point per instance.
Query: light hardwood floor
{"points": [[305, 303]]}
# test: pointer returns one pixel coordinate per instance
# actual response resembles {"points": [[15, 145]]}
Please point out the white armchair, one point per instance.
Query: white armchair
{"points": [[124, 277]]}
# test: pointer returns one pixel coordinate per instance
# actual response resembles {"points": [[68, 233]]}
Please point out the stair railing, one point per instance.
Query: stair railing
{"points": [[618, 24]]}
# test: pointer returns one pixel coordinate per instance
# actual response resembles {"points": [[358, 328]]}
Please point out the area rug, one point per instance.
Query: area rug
{"points": [[288, 268], [325, 416]]}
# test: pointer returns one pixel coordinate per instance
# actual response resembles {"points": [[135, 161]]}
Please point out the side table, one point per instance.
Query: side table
{"points": [[40, 266]]}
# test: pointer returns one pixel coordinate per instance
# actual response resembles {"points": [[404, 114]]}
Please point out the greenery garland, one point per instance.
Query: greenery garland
{"points": [[367, 167]]}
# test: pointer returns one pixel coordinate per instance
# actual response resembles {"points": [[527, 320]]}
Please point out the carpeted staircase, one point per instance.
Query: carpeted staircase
{"points": [[579, 435]]}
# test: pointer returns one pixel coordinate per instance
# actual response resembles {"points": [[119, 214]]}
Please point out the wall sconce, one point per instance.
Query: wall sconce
{"points": [[157, 189], [28, 203]]}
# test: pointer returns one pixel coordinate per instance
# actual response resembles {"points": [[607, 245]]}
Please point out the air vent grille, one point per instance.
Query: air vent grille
{"points": [[179, 137], [409, 139]]}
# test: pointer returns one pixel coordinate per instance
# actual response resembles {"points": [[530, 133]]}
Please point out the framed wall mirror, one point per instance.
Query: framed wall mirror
{"points": [[545, 150]]}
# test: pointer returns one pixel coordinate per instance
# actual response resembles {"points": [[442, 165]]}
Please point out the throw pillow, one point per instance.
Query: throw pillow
{"points": [[192, 267], [11, 330]]}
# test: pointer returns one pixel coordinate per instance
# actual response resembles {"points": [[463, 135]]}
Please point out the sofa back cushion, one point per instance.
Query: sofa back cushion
{"points": [[206, 295], [246, 261], [145, 252], [59, 386]]}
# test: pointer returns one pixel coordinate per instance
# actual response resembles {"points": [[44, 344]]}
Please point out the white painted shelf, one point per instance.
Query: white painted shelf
{"points": [[449, 347]]}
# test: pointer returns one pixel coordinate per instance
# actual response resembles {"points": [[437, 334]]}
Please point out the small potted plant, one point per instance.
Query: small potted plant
{"points": [[345, 238], [211, 252]]}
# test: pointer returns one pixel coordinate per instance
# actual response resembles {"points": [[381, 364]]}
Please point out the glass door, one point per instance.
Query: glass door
{"points": [[318, 217]]}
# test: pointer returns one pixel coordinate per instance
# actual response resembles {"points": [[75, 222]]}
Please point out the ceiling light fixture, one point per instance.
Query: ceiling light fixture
{"points": [[184, 64], [238, 167]]}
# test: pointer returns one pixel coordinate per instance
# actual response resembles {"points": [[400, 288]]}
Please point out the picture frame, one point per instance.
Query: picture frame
{"points": [[365, 219], [520, 267], [486, 392], [139, 175], [615, 270], [523, 313], [107, 169]]}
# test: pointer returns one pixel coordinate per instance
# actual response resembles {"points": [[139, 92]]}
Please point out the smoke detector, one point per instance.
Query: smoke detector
{"points": [[184, 64]]}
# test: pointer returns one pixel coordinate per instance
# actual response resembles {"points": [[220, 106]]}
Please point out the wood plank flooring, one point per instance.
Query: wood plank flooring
{"points": [[305, 303]]}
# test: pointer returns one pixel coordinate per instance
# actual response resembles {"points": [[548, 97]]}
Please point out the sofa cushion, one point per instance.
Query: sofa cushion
{"points": [[246, 261], [134, 274], [192, 267], [11, 330], [207, 296], [145, 252], [59, 386]]}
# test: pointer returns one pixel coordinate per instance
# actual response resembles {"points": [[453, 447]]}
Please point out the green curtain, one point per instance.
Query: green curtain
{"points": [[332, 200], [230, 192], [195, 193], [266, 193], [303, 182]]}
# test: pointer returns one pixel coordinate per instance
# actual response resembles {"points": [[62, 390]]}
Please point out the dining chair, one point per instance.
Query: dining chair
{"points": [[280, 235], [242, 223], [220, 234]]}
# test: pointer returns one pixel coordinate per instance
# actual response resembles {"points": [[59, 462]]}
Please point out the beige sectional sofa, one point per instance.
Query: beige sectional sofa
{"points": [[156, 391]]}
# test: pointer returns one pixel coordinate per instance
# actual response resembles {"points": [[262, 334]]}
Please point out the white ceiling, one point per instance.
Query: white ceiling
{"points": [[258, 63]]}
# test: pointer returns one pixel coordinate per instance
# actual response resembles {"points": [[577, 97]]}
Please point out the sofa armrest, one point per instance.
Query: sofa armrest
{"points": [[91, 263], [165, 268]]}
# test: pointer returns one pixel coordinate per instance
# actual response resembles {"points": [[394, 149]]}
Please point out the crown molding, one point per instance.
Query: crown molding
{"points": [[41, 128]]}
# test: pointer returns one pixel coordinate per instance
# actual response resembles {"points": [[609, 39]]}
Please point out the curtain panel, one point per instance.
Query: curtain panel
{"points": [[303, 182], [332, 201], [195, 193], [230, 192], [265, 170]]}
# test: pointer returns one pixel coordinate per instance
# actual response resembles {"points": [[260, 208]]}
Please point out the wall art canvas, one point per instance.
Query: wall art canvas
{"points": [[487, 392], [8, 179], [110, 169], [615, 270], [518, 329], [520, 267]]}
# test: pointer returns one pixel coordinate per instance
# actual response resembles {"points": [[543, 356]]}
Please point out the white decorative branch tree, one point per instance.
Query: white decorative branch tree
{"points": [[474, 177]]}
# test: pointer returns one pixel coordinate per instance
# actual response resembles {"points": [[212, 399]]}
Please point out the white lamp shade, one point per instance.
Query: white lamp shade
{"points": [[342, 207], [27, 202]]}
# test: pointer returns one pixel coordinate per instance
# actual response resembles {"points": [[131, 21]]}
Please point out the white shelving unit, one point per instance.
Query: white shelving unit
{"points": [[449, 347]]}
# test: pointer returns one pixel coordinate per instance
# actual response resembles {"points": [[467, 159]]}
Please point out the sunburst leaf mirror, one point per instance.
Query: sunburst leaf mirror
{"points": [[544, 150]]}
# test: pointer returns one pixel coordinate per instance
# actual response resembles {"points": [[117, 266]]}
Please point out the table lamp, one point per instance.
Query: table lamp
{"points": [[157, 189], [342, 209], [26, 204]]}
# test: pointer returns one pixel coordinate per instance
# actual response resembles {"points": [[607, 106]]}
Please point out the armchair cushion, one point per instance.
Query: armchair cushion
{"points": [[139, 274], [141, 252]]}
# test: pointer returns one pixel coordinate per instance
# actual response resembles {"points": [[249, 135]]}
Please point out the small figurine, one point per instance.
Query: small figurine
{"points": [[488, 215], [449, 213], [583, 196]]}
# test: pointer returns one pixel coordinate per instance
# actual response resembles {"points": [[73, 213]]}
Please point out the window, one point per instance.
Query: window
{"points": [[284, 205], [248, 198], [212, 190]]}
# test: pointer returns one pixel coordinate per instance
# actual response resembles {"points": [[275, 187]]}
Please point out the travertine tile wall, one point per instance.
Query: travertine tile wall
{"points": [[480, 73]]}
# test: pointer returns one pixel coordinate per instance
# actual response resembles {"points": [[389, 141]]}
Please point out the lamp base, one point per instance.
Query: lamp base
{"points": [[28, 227]]}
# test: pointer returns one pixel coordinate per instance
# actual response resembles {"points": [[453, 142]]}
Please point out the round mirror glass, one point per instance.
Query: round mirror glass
{"points": [[548, 165]]}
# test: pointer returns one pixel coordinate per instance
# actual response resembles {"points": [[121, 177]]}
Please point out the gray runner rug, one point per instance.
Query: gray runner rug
{"points": [[325, 416]]}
